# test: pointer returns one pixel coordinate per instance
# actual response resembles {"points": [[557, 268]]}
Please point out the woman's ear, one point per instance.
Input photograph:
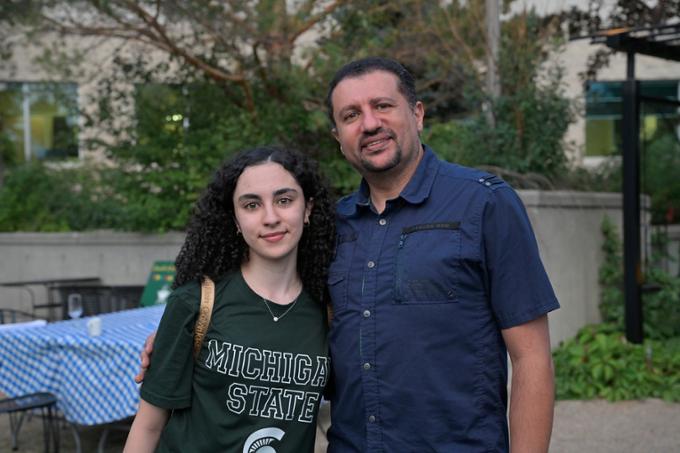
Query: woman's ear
{"points": [[308, 209]]}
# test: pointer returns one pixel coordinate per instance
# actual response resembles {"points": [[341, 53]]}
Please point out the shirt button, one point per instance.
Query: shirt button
{"points": [[367, 366], [371, 419], [382, 222], [371, 264], [367, 313]]}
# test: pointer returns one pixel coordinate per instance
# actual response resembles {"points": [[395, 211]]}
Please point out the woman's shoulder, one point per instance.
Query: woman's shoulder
{"points": [[193, 288], [186, 294], [191, 291]]}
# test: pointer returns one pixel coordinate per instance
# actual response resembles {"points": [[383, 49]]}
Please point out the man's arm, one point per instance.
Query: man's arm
{"points": [[532, 394], [145, 357]]}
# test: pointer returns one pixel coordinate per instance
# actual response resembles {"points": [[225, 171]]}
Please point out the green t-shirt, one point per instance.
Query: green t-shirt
{"points": [[256, 382]]}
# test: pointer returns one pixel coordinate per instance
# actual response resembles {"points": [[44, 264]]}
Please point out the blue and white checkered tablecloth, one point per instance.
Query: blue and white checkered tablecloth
{"points": [[92, 377]]}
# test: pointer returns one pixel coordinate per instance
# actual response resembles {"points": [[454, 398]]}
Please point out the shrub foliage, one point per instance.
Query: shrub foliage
{"points": [[600, 363]]}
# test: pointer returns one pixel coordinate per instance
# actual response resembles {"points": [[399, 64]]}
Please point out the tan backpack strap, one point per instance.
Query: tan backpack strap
{"points": [[207, 300]]}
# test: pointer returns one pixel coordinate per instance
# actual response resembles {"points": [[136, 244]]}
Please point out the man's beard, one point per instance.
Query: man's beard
{"points": [[369, 166]]}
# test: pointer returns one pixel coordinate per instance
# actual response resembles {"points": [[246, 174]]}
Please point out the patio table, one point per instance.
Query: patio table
{"points": [[92, 376]]}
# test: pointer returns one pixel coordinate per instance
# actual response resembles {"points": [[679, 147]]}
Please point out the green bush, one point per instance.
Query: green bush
{"points": [[600, 363], [660, 308], [37, 198]]}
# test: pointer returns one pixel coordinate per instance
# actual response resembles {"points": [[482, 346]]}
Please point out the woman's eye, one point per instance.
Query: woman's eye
{"points": [[250, 206], [285, 201]]}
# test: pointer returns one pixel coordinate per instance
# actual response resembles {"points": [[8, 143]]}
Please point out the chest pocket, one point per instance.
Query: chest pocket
{"points": [[428, 258], [338, 273]]}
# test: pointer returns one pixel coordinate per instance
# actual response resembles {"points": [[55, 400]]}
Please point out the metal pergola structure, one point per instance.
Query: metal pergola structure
{"points": [[661, 42]]}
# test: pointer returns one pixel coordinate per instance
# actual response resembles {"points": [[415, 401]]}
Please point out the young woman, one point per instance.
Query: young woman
{"points": [[263, 231]]}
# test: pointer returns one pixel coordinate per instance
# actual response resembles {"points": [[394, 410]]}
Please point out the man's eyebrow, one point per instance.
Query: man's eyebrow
{"points": [[382, 99], [372, 101]]}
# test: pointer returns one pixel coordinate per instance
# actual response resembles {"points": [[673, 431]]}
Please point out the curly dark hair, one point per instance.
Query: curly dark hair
{"points": [[212, 246]]}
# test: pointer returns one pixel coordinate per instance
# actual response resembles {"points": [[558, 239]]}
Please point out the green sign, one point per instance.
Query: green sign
{"points": [[159, 285]]}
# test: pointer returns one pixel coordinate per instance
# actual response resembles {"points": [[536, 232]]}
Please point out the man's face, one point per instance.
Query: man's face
{"points": [[376, 128]]}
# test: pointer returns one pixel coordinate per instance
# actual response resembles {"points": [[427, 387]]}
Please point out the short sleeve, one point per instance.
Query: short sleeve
{"points": [[519, 288], [168, 380]]}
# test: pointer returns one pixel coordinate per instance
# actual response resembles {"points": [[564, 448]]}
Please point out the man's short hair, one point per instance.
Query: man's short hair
{"points": [[406, 84]]}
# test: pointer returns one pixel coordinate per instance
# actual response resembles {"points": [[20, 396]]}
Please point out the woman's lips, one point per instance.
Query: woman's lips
{"points": [[273, 237]]}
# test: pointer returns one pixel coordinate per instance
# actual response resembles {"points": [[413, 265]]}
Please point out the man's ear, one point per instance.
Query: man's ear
{"points": [[334, 131], [419, 112]]}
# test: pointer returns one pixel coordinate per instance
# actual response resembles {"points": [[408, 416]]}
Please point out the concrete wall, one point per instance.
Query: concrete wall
{"points": [[567, 227], [116, 258]]}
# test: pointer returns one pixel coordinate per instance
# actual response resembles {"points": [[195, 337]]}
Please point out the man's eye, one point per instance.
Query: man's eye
{"points": [[383, 106], [350, 116]]}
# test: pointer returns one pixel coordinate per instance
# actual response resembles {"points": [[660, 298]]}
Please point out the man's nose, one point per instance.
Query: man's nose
{"points": [[370, 121]]}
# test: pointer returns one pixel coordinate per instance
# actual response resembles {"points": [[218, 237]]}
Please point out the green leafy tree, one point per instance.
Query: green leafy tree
{"points": [[531, 114], [203, 79], [222, 76]]}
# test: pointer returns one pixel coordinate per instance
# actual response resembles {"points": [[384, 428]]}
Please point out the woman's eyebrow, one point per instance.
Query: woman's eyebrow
{"points": [[248, 196], [278, 192], [284, 190]]}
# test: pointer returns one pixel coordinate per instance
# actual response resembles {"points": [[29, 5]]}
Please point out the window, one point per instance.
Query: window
{"points": [[604, 114], [39, 120]]}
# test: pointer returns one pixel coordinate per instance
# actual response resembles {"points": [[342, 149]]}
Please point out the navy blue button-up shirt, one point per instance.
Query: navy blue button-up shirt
{"points": [[420, 293]]}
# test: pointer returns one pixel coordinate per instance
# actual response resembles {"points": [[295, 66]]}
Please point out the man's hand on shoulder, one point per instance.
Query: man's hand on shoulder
{"points": [[145, 357]]}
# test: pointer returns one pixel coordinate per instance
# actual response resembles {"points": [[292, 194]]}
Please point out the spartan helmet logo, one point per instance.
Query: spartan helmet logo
{"points": [[259, 441]]}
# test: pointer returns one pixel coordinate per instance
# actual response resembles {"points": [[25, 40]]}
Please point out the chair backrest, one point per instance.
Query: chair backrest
{"points": [[17, 319], [12, 316]]}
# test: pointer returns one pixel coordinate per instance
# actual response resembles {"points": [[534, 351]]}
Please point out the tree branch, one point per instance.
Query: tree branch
{"points": [[315, 19]]}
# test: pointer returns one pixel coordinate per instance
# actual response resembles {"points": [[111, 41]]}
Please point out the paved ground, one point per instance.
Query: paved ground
{"points": [[649, 426]]}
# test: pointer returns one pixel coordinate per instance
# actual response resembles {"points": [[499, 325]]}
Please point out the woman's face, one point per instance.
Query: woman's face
{"points": [[270, 211]]}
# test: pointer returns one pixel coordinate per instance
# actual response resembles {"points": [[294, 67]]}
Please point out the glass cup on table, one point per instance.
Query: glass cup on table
{"points": [[74, 305]]}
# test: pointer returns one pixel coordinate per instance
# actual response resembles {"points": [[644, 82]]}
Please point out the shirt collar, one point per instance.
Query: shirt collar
{"points": [[418, 188], [416, 191]]}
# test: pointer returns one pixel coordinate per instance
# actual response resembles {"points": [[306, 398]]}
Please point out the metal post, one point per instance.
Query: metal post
{"points": [[631, 204], [493, 34], [26, 115]]}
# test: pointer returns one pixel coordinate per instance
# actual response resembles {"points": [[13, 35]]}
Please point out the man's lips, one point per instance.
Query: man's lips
{"points": [[375, 143]]}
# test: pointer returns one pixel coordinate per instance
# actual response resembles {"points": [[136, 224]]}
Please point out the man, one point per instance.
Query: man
{"points": [[436, 274]]}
